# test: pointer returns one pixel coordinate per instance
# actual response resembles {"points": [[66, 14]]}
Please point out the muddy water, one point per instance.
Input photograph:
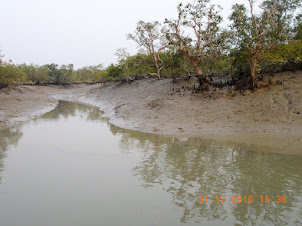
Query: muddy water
{"points": [[71, 167]]}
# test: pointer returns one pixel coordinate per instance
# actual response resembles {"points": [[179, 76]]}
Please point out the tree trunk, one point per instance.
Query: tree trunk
{"points": [[158, 69], [173, 75], [253, 74], [202, 80], [158, 72], [232, 71]]}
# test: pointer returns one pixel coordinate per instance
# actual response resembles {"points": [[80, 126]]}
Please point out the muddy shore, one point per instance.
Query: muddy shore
{"points": [[165, 107]]}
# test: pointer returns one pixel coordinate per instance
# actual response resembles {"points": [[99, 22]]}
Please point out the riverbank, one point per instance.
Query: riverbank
{"points": [[26, 102], [270, 117], [165, 107]]}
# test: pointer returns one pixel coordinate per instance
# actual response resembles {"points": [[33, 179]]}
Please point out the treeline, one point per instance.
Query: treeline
{"points": [[233, 66], [256, 43], [11, 74]]}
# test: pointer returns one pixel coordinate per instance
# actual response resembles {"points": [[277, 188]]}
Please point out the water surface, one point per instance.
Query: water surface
{"points": [[71, 167]]}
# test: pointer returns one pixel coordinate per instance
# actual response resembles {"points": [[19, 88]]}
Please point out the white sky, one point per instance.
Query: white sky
{"points": [[82, 32]]}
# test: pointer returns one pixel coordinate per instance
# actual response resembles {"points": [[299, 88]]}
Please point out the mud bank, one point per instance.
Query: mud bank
{"points": [[26, 102], [164, 107]]}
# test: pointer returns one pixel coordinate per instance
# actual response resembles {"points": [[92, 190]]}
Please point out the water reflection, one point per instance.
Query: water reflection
{"points": [[66, 110], [11, 136], [186, 168], [8, 137]]}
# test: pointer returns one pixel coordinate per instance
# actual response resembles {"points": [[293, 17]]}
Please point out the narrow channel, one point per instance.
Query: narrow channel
{"points": [[71, 167]]}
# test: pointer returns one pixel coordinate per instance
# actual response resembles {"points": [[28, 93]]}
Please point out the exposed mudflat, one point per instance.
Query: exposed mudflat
{"points": [[161, 106]]}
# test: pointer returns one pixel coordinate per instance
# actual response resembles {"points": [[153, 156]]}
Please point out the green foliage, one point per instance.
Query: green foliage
{"points": [[54, 73], [60, 75], [196, 32], [151, 36], [65, 75], [258, 33], [299, 32], [90, 74], [178, 64], [261, 41], [50, 74], [283, 57], [36, 74], [10, 75], [298, 27], [139, 64], [114, 71]]}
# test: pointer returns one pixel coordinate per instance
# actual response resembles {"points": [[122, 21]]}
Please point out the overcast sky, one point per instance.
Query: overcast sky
{"points": [[81, 32]]}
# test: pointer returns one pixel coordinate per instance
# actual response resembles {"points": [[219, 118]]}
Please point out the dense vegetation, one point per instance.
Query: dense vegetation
{"points": [[257, 43]]}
